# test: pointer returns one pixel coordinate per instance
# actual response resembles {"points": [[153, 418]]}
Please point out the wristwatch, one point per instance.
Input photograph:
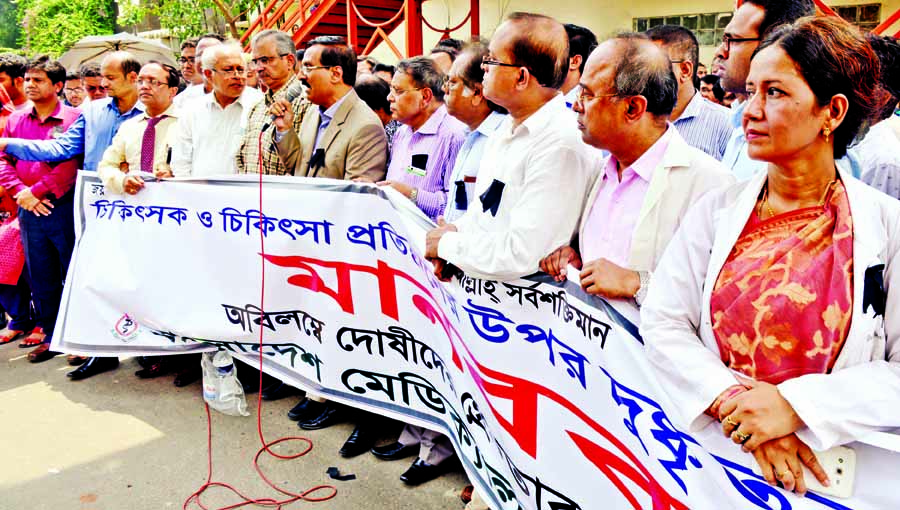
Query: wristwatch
{"points": [[414, 195], [641, 294]]}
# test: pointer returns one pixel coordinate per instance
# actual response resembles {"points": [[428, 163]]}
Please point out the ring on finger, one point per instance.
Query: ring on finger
{"points": [[741, 437], [729, 421], [781, 474]]}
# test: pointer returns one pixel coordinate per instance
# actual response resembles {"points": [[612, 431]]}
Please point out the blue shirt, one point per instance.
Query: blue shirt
{"points": [[705, 126], [465, 169], [325, 117], [736, 157], [90, 134]]}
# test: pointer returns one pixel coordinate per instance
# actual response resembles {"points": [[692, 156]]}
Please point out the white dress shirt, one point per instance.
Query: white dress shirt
{"points": [[736, 157], [547, 171], [208, 136], [187, 96]]}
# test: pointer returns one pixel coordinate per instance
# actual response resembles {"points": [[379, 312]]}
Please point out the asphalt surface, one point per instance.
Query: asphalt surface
{"points": [[115, 442]]}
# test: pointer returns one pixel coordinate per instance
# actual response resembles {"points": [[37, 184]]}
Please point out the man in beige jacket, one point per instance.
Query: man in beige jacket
{"points": [[342, 138], [650, 179]]}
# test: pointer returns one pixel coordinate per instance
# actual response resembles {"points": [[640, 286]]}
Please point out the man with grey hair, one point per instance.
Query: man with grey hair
{"points": [[209, 131], [650, 178], [274, 59], [197, 90], [425, 146]]}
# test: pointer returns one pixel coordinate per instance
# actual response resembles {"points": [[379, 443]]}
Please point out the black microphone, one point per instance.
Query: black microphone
{"points": [[292, 92]]}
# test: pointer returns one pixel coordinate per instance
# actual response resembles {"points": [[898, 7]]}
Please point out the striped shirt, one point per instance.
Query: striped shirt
{"points": [[705, 126], [433, 146]]}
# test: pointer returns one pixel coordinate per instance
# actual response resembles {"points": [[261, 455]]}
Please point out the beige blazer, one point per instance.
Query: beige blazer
{"points": [[355, 144], [684, 175]]}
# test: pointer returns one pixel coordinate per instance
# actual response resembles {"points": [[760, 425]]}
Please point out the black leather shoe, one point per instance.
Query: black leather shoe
{"points": [[277, 391], [330, 415], [361, 440], [187, 375], [305, 409], [395, 451], [151, 370], [92, 367], [421, 472]]}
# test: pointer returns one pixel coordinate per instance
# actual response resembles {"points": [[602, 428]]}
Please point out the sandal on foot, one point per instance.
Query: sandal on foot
{"points": [[35, 339]]}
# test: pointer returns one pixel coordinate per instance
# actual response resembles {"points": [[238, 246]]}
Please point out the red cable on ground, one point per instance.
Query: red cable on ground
{"points": [[266, 447]]}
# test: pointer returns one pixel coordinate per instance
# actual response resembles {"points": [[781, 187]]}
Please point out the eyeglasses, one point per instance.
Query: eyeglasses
{"points": [[185, 60], [92, 88], [265, 60], [233, 71], [307, 68], [488, 61], [584, 96], [150, 82], [78, 90], [399, 92], [727, 40], [451, 83]]}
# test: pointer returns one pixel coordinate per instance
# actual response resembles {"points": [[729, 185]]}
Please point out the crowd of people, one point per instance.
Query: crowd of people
{"points": [[751, 212]]}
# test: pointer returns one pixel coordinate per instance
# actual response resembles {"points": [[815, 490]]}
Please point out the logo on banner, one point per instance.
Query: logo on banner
{"points": [[126, 328]]}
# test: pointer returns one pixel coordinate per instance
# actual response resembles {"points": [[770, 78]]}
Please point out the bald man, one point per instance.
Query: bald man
{"points": [[93, 131], [650, 178]]}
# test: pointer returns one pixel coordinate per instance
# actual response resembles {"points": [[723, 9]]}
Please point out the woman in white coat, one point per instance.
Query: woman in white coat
{"points": [[771, 310]]}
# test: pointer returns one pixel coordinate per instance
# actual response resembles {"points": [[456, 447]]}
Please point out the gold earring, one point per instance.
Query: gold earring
{"points": [[827, 133]]}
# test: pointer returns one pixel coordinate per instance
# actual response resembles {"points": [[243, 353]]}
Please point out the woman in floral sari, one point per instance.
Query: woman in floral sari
{"points": [[771, 310]]}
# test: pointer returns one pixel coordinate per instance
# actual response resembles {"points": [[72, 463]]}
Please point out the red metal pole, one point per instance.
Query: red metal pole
{"points": [[352, 35], [413, 27], [475, 18]]}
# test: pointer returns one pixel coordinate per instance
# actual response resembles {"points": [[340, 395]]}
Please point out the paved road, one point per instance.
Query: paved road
{"points": [[114, 442]]}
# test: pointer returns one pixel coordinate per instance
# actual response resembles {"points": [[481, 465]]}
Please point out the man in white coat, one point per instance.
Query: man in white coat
{"points": [[648, 182]]}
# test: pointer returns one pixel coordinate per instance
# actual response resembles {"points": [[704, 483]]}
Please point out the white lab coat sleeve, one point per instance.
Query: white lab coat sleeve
{"points": [[847, 404], [692, 374]]}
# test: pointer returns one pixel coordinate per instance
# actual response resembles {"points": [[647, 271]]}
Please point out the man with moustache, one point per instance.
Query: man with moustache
{"points": [[92, 81], [648, 182], [751, 22], [342, 138], [187, 60], [274, 60], [43, 193], [90, 135], [209, 132]]}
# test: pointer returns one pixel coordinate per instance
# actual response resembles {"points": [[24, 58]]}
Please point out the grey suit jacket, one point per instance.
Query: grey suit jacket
{"points": [[354, 142]]}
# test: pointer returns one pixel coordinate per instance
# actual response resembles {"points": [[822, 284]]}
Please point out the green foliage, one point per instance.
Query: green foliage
{"points": [[183, 18], [53, 26], [9, 25]]}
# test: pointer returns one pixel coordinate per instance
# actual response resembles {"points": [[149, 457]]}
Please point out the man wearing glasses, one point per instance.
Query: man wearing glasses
{"points": [[648, 182], [186, 62], [751, 22], [209, 131], [274, 60], [73, 91], [342, 138], [142, 142], [92, 81], [535, 171], [202, 86]]}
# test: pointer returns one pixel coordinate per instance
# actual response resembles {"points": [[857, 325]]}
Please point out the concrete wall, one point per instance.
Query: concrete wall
{"points": [[603, 17]]}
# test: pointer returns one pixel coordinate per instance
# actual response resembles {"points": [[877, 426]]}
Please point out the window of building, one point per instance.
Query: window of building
{"points": [[866, 17], [709, 28]]}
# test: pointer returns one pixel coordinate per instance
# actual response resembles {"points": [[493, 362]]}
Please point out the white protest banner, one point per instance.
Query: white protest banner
{"points": [[543, 390]]}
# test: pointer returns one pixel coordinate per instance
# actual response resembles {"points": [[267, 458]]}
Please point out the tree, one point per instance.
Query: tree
{"points": [[53, 26], [187, 18], [9, 25]]}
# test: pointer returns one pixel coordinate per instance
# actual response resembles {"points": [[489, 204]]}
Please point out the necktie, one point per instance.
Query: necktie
{"points": [[148, 144]]}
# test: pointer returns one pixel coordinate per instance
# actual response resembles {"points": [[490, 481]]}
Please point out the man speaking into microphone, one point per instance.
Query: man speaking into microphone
{"points": [[342, 138]]}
